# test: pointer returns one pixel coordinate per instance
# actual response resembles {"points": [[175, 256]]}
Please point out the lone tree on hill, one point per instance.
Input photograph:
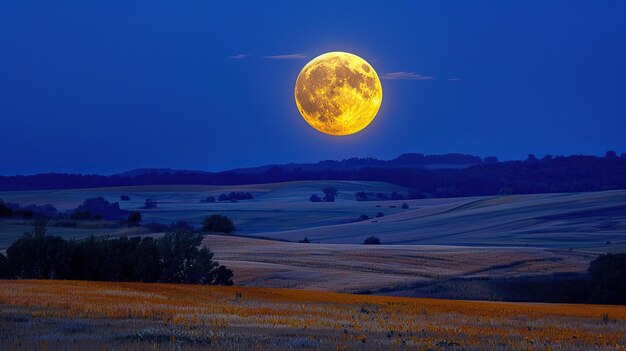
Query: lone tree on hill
{"points": [[372, 240], [218, 224]]}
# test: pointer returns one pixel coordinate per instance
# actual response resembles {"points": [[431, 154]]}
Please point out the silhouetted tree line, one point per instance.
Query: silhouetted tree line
{"points": [[607, 279], [548, 174], [174, 258], [235, 196]]}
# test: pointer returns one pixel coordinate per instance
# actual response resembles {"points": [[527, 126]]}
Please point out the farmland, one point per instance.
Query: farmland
{"points": [[127, 316], [282, 211]]}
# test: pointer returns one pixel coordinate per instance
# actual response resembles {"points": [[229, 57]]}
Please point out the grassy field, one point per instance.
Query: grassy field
{"points": [[361, 268], [66, 315], [282, 211]]}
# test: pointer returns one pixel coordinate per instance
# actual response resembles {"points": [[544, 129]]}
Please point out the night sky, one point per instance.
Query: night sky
{"points": [[108, 86]]}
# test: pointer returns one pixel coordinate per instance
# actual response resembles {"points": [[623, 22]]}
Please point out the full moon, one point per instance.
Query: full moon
{"points": [[338, 93]]}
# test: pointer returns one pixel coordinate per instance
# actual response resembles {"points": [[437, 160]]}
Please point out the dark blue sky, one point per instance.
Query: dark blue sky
{"points": [[107, 86]]}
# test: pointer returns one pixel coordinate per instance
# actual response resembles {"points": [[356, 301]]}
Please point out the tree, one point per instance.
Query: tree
{"points": [[315, 198], [208, 199], [305, 240], [610, 154], [405, 205], [531, 158], [38, 256], [134, 217], [330, 194], [222, 197], [380, 214], [607, 279], [218, 224], [372, 240], [149, 204], [124, 198]]}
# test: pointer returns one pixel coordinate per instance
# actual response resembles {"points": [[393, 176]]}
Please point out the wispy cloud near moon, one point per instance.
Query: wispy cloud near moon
{"points": [[238, 56], [406, 76], [286, 57]]}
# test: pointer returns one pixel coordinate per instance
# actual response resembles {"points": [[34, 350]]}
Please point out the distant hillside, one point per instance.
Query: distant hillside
{"points": [[415, 161], [449, 175]]}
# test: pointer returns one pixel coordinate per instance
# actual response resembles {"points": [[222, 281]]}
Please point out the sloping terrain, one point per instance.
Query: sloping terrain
{"points": [[372, 268], [283, 211]]}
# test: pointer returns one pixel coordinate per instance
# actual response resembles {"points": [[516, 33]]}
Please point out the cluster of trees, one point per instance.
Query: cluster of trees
{"points": [[330, 194], [11, 210], [218, 224], [233, 196], [174, 258]]}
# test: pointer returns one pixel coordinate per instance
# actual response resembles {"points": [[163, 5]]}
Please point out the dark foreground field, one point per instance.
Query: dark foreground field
{"points": [[68, 315]]}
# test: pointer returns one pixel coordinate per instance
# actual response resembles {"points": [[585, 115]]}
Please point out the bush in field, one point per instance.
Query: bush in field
{"points": [[361, 196], [372, 240], [149, 204], [330, 194], [305, 240], [208, 200], [315, 198], [217, 224], [405, 205], [607, 279]]}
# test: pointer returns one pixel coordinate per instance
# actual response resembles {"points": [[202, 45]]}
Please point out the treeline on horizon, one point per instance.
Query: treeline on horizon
{"points": [[490, 177]]}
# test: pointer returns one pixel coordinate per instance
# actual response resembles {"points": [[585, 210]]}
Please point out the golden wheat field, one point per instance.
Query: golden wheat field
{"points": [[70, 315]]}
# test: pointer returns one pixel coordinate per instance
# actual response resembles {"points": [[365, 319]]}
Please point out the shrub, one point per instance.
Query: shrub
{"points": [[305, 240], [315, 198], [124, 198], [222, 197], [218, 224], [372, 240], [405, 205], [208, 199], [149, 204], [380, 214], [330, 194]]}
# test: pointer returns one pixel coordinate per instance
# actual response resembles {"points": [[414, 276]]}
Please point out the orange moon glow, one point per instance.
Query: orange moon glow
{"points": [[338, 93]]}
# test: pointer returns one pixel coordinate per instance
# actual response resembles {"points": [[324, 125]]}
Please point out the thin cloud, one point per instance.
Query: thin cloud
{"points": [[406, 76], [285, 57], [453, 79], [238, 56]]}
